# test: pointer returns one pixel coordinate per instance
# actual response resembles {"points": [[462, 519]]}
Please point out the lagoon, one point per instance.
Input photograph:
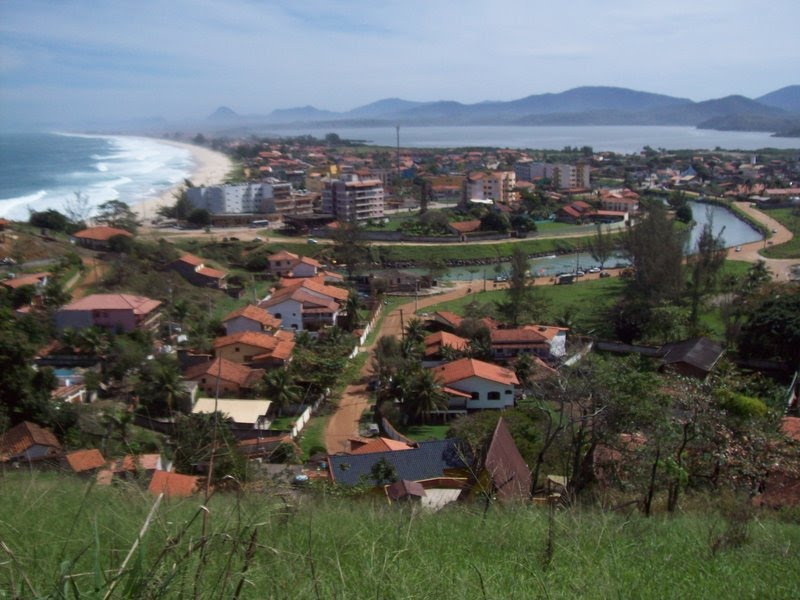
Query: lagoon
{"points": [[625, 139]]}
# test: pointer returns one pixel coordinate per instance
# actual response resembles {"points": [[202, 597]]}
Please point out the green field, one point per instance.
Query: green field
{"points": [[791, 220], [64, 538]]}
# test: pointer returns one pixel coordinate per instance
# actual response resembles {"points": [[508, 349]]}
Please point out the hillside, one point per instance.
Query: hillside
{"points": [[315, 546]]}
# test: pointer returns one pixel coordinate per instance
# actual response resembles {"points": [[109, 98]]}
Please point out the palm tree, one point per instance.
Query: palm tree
{"points": [[160, 387], [279, 388], [415, 330], [351, 320], [423, 394]]}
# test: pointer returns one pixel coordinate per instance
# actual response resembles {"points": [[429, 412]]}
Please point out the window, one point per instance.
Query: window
{"points": [[493, 396], [236, 349], [277, 315], [476, 395], [508, 392]]}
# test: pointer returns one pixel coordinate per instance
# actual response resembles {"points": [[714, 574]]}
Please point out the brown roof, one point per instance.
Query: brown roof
{"points": [[251, 338], [140, 305], [21, 280], [23, 436], [224, 369], [466, 226], [173, 485], [516, 336], [546, 331], [85, 460], [282, 255], [403, 487], [464, 368], [191, 259], [254, 313], [102, 233], [510, 476], [212, 273], [132, 462]]}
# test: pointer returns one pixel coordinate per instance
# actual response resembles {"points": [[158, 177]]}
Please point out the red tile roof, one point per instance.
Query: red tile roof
{"points": [[85, 460], [510, 476], [173, 485], [380, 445], [101, 234], [25, 435], [275, 346], [140, 305], [282, 255], [465, 368], [191, 259], [254, 313], [517, 336], [224, 369], [436, 341], [132, 462]]}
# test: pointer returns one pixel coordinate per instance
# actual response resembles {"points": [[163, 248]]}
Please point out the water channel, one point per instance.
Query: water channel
{"points": [[734, 231]]}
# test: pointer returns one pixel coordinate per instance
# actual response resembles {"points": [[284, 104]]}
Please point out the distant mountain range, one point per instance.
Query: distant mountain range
{"points": [[777, 112]]}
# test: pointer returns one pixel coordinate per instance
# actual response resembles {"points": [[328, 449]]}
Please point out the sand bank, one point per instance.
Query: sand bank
{"points": [[210, 168]]}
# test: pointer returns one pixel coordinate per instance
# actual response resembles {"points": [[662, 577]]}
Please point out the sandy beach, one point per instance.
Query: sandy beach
{"points": [[210, 168]]}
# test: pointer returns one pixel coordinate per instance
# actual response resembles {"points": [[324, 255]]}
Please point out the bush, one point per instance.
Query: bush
{"points": [[741, 405]]}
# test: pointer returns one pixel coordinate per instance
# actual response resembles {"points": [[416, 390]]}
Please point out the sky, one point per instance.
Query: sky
{"points": [[72, 60]]}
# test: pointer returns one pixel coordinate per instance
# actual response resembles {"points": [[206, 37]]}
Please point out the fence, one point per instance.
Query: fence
{"points": [[301, 421]]}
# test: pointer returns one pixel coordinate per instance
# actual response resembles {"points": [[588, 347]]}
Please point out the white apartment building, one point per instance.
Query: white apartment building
{"points": [[353, 199], [563, 176], [243, 198], [498, 186]]}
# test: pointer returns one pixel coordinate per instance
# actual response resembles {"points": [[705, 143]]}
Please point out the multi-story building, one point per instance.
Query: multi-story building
{"points": [[242, 198], [563, 176], [352, 199], [498, 186]]}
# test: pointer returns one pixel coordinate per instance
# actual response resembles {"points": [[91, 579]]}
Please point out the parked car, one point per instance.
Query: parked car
{"points": [[594, 270], [605, 274], [311, 241]]}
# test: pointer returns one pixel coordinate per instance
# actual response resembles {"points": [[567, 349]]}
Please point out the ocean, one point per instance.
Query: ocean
{"points": [[45, 170]]}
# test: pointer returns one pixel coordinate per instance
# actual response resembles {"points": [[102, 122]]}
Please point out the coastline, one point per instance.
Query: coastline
{"points": [[210, 168]]}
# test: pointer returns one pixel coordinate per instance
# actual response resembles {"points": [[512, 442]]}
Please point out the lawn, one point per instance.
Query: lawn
{"points": [[791, 220], [422, 433], [312, 438]]}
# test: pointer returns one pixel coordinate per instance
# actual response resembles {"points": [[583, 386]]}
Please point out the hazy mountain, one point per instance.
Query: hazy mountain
{"points": [[787, 98], [223, 113], [596, 105], [386, 107], [304, 113]]}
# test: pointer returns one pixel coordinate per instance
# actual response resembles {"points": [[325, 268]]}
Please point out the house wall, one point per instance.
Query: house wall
{"points": [[558, 346], [483, 387], [304, 270], [239, 353], [208, 385], [239, 324], [290, 312], [74, 319]]}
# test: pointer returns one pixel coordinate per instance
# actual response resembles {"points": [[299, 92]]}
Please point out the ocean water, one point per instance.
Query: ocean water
{"points": [[45, 170]]}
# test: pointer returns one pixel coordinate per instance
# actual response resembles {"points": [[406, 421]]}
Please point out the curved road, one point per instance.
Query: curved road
{"points": [[780, 267]]}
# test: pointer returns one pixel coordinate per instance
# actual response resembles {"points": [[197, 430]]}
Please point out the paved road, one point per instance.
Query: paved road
{"points": [[780, 267]]}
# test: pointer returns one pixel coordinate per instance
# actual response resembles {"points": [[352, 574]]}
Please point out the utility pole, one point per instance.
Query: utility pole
{"points": [[402, 327], [398, 152]]}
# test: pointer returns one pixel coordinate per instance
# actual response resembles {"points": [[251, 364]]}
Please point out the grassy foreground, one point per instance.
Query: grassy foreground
{"points": [[62, 538]]}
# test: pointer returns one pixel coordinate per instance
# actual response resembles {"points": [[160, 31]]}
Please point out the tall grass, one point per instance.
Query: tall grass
{"points": [[64, 539]]}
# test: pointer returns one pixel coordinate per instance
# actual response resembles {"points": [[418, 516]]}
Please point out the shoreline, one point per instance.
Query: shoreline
{"points": [[210, 168]]}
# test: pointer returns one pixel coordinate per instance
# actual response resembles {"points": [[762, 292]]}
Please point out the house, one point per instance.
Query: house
{"points": [[305, 267], [99, 238], [462, 228], [437, 343], [250, 318], [306, 305], [474, 384], [35, 280], [193, 269], [120, 312], [28, 442], [438, 458], [174, 485], [404, 490], [504, 474], [281, 263], [694, 357], [224, 376], [130, 466], [257, 350], [394, 280], [245, 413], [380, 444], [84, 462]]}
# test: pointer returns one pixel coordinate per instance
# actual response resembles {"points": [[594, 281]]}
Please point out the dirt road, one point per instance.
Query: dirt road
{"points": [[344, 423]]}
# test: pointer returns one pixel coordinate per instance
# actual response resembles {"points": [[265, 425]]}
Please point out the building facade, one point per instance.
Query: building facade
{"points": [[563, 176], [352, 199]]}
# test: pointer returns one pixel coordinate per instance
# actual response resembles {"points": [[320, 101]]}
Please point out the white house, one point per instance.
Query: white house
{"points": [[250, 318], [476, 385], [306, 305]]}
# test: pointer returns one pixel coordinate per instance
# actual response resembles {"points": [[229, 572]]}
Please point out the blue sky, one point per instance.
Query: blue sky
{"points": [[72, 60]]}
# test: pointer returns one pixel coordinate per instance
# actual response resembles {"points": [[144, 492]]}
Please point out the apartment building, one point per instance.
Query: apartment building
{"points": [[562, 175], [498, 186], [243, 198], [352, 199]]}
